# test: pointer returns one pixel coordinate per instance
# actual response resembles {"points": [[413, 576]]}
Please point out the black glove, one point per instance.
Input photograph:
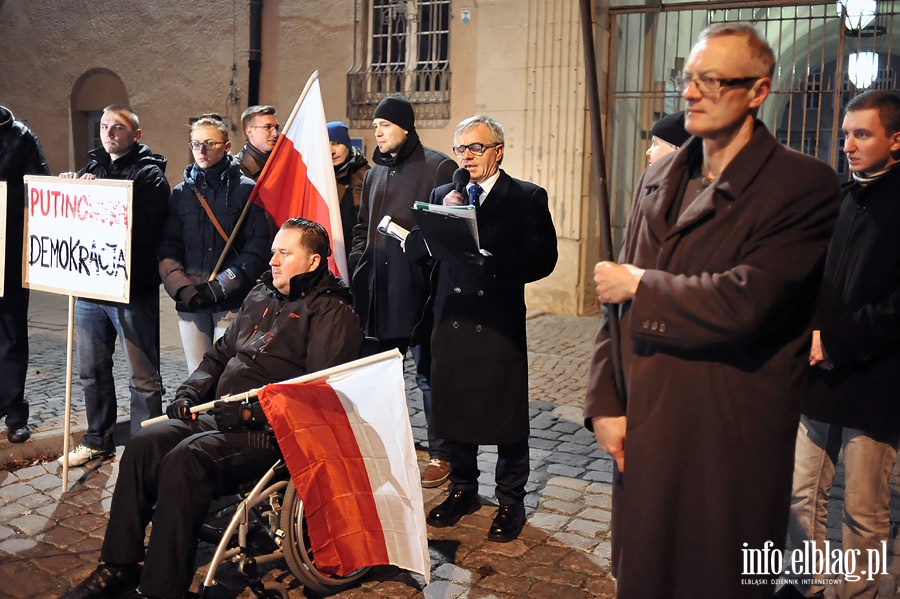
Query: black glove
{"points": [[180, 408], [225, 278], [237, 414], [203, 298]]}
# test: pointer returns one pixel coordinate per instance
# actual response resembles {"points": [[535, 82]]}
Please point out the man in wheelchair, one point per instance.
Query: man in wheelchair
{"points": [[298, 319]]}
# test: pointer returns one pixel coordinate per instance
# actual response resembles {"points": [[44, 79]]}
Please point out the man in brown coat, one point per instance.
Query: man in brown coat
{"points": [[715, 289]]}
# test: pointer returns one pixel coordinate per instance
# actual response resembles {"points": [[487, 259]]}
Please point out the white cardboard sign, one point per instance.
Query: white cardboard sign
{"points": [[78, 237]]}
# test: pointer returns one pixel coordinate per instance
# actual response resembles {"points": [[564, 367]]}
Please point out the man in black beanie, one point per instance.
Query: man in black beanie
{"points": [[389, 291]]}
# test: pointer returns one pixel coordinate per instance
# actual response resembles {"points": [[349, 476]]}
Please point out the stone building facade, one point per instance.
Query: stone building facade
{"points": [[519, 61]]}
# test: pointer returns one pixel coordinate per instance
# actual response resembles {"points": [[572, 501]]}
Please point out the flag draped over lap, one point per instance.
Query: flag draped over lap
{"points": [[348, 445], [298, 178]]}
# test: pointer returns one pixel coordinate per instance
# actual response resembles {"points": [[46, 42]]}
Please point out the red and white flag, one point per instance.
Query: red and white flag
{"points": [[298, 178], [348, 445]]}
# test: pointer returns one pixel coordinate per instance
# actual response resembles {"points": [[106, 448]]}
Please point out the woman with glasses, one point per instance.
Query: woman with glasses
{"points": [[204, 214]]}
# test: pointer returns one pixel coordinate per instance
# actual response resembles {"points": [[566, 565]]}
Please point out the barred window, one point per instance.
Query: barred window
{"points": [[409, 35], [408, 45]]}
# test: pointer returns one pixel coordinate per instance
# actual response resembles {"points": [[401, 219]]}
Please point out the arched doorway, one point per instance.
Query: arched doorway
{"points": [[95, 90]]}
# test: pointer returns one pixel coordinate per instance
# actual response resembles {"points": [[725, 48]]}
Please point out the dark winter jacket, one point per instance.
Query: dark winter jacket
{"points": [[276, 337], [149, 205], [20, 154], [389, 291], [350, 177], [191, 246], [859, 312], [251, 160]]}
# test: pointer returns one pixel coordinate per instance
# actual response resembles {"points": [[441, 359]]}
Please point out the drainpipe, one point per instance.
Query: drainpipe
{"points": [[255, 55]]}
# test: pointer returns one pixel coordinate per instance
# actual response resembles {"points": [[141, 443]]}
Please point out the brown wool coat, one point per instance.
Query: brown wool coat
{"points": [[715, 349]]}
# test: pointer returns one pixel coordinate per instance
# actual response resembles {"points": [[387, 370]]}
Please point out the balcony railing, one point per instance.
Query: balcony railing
{"points": [[427, 90]]}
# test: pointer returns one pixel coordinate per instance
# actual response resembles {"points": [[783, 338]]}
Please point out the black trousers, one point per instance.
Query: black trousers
{"points": [[511, 473], [170, 473], [13, 354]]}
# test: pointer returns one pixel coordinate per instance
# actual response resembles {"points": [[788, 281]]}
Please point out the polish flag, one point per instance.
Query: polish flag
{"points": [[347, 442], [298, 178]]}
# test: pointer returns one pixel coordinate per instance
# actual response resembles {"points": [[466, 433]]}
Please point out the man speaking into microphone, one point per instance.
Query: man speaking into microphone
{"points": [[479, 362]]}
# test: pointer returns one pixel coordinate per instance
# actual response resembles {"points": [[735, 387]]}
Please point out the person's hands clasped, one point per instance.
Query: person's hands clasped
{"points": [[616, 283]]}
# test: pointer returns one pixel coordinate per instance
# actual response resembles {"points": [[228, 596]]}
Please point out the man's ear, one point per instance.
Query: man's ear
{"points": [[761, 91], [314, 262], [895, 144], [137, 135]]}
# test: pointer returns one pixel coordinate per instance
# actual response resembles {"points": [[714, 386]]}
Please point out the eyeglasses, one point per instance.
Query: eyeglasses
{"points": [[268, 127], [711, 85], [208, 144], [476, 149]]}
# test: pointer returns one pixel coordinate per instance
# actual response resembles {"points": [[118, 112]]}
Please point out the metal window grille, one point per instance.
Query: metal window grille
{"points": [[811, 87], [409, 53]]}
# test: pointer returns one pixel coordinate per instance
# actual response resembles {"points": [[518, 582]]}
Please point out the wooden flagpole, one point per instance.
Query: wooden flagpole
{"points": [[262, 175], [606, 249]]}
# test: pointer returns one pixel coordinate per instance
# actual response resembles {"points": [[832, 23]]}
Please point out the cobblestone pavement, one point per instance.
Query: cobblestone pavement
{"points": [[49, 542]]}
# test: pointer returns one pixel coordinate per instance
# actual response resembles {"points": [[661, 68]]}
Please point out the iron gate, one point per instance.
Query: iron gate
{"points": [[826, 53]]}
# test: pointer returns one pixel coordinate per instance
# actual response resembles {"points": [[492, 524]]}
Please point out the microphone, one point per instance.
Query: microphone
{"points": [[460, 179]]}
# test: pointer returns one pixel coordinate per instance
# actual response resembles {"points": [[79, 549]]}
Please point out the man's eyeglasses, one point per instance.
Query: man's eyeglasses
{"points": [[208, 144], [711, 85], [476, 148], [268, 127]]}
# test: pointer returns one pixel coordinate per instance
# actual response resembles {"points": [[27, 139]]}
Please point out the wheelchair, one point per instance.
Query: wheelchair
{"points": [[274, 506]]}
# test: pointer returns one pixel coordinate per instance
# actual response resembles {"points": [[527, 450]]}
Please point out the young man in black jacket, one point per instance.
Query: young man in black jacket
{"points": [[852, 406], [136, 324], [389, 291], [297, 320]]}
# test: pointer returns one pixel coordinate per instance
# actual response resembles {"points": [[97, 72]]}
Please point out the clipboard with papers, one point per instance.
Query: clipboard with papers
{"points": [[448, 230]]}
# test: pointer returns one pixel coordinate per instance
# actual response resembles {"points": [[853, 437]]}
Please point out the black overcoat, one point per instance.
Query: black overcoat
{"points": [[389, 291], [479, 375], [715, 348]]}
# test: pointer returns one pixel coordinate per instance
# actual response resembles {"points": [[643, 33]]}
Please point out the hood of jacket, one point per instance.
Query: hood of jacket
{"points": [[312, 283], [355, 161], [139, 155], [227, 168]]}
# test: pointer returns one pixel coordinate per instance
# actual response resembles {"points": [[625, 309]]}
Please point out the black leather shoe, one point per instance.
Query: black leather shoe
{"points": [[457, 505], [107, 580], [18, 434], [507, 523]]}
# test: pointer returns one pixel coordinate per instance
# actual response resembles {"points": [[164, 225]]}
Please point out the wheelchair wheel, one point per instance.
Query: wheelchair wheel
{"points": [[298, 554]]}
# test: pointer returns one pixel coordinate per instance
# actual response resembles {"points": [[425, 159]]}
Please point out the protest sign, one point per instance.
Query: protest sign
{"points": [[78, 237]]}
